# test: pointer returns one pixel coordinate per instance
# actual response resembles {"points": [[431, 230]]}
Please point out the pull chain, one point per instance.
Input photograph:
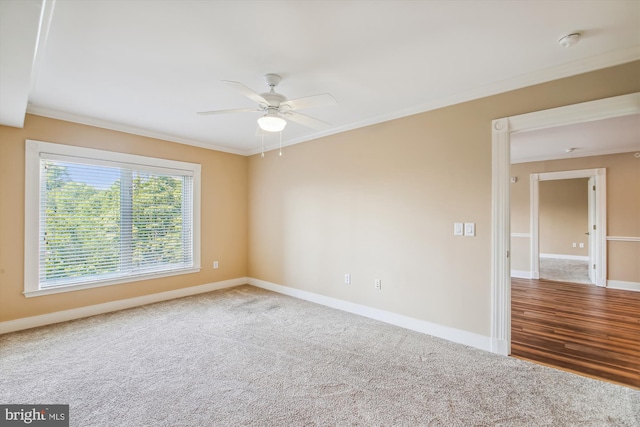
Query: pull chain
{"points": [[280, 144], [262, 154]]}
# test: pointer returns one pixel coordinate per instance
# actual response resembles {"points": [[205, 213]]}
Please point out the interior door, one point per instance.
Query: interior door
{"points": [[592, 223]]}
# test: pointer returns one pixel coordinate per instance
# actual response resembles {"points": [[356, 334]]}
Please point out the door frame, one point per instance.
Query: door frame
{"points": [[599, 233], [591, 225], [501, 130]]}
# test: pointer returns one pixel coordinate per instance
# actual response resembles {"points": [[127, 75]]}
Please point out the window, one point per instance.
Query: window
{"points": [[95, 218]]}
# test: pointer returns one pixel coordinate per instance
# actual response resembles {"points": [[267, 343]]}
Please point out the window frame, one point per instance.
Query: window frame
{"points": [[33, 149]]}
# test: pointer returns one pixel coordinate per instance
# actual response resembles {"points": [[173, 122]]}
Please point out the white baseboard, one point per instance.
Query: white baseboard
{"points": [[521, 274], [452, 334], [92, 310], [562, 256], [627, 286]]}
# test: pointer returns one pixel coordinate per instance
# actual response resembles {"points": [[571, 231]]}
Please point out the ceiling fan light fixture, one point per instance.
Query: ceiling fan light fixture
{"points": [[271, 122]]}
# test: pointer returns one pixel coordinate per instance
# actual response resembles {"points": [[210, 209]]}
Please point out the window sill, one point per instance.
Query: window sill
{"points": [[71, 288]]}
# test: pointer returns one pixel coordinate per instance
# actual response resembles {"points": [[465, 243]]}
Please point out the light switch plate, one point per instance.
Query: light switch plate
{"points": [[457, 229], [469, 229]]}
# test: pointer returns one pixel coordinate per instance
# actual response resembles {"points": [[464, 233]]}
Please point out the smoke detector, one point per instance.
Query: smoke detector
{"points": [[569, 40]]}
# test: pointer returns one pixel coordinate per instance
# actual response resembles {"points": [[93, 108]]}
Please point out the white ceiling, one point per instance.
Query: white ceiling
{"points": [[607, 136], [148, 66]]}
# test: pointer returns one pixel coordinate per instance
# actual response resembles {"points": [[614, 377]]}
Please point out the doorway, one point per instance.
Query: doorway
{"points": [[501, 229], [565, 226], [564, 236]]}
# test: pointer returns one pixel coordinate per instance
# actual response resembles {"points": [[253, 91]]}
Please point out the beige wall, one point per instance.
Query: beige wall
{"points": [[623, 209], [380, 203], [563, 216], [224, 214], [377, 202]]}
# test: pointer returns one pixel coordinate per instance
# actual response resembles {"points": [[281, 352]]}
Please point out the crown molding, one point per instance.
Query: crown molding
{"points": [[610, 59], [105, 124], [575, 155]]}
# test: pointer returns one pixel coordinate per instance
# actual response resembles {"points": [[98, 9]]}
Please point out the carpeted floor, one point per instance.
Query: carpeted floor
{"points": [[244, 356], [565, 270]]}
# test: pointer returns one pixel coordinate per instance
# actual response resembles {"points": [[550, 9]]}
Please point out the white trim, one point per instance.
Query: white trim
{"points": [[609, 59], [599, 109], [110, 156], [576, 154], [452, 334], [500, 178], [524, 235], [501, 347], [567, 174], [622, 239], [500, 239], [563, 256], [534, 208], [92, 310], [34, 150], [600, 232], [70, 288], [119, 127], [521, 274], [627, 286]]}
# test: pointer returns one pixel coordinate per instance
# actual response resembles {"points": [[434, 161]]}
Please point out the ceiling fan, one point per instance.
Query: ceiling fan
{"points": [[277, 107]]}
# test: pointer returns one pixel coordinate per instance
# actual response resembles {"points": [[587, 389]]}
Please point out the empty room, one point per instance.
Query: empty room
{"points": [[296, 213]]}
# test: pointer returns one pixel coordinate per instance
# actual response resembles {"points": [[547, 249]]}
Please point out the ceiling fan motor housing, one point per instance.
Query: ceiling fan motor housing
{"points": [[274, 99]]}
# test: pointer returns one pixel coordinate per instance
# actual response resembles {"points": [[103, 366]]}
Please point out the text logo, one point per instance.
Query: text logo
{"points": [[35, 415]]}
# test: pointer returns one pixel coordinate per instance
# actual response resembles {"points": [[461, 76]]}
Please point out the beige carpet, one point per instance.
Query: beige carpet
{"points": [[245, 356], [565, 270]]}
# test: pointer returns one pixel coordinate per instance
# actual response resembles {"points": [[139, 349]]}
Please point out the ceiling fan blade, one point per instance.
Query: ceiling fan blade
{"points": [[305, 120], [235, 110], [246, 92], [322, 100]]}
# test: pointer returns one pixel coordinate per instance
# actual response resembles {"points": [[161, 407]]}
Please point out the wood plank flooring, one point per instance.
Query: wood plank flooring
{"points": [[581, 328]]}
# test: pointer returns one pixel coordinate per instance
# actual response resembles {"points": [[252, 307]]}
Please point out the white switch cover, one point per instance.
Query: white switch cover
{"points": [[457, 229], [582, 245], [470, 229], [574, 245], [215, 264]]}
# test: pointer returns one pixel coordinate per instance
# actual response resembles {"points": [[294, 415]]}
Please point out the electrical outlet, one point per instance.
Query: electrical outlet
{"points": [[347, 279], [378, 284], [582, 245], [215, 264], [574, 245]]}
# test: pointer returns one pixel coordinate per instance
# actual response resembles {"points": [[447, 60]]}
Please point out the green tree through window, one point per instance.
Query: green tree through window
{"points": [[102, 221]]}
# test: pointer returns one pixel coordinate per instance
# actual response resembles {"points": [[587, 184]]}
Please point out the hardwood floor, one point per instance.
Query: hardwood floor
{"points": [[582, 328]]}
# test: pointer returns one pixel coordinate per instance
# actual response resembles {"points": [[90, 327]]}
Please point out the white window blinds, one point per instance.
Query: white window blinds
{"points": [[102, 221]]}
